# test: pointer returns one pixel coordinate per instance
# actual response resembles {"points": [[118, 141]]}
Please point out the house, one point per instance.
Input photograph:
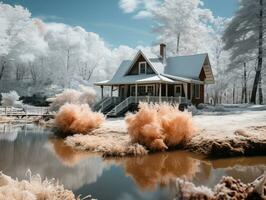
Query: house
{"points": [[177, 79]]}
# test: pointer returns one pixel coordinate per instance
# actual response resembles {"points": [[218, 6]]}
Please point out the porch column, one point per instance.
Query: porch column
{"points": [[136, 93], [185, 89], [160, 93], [102, 92], [111, 91]]}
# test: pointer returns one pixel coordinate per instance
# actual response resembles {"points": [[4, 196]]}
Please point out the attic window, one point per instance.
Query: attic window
{"points": [[142, 67]]}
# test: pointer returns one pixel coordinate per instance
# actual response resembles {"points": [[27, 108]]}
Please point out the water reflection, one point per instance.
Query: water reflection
{"points": [[147, 177], [36, 152], [159, 169], [67, 155]]}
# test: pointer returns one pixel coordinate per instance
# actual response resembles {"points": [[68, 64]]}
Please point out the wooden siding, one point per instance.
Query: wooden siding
{"points": [[195, 100], [202, 75], [135, 68], [171, 91]]}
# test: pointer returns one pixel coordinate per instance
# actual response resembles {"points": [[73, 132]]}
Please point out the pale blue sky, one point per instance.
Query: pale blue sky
{"points": [[105, 18]]}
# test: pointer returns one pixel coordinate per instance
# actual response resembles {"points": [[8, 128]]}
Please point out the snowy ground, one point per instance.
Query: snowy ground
{"points": [[230, 119], [235, 131]]}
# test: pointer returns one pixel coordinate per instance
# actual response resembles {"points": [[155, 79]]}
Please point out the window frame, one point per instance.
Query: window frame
{"points": [[144, 62], [181, 90]]}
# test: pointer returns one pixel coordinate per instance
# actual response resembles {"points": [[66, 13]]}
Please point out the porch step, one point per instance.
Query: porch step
{"points": [[107, 104]]}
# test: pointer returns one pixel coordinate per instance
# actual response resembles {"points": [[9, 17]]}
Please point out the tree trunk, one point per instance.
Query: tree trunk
{"points": [[260, 92], [3, 65], [177, 43], [245, 84], [260, 58], [67, 82], [234, 89]]}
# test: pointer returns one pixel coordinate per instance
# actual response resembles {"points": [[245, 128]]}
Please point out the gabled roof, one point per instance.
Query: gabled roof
{"points": [[177, 68], [136, 58], [185, 66]]}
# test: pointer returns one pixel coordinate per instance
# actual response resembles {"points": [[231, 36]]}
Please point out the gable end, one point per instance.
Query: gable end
{"points": [[134, 70]]}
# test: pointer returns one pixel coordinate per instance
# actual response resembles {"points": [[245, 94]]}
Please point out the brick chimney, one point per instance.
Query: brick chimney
{"points": [[163, 51]]}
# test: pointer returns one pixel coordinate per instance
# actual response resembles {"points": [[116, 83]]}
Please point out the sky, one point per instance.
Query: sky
{"points": [[106, 18]]}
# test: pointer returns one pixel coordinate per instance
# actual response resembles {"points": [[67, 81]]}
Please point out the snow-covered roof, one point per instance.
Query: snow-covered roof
{"points": [[185, 66], [177, 68], [133, 79]]}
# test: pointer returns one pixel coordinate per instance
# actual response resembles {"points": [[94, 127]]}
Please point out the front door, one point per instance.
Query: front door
{"points": [[122, 91], [178, 90]]}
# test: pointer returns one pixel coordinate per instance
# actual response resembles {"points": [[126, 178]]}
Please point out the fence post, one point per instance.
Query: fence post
{"points": [[179, 99]]}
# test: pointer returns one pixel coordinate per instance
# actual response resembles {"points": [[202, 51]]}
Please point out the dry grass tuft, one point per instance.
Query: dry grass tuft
{"points": [[33, 189], [73, 118], [159, 127], [111, 139]]}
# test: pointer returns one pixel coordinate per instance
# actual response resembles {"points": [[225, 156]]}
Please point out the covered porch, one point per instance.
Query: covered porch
{"points": [[171, 91]]}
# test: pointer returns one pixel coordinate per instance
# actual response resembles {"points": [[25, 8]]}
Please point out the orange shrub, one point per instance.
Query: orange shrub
{"points": [[73, 118], [160, 126]]}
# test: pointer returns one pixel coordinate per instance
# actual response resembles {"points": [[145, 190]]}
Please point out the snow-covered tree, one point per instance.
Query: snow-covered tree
{"points": [[10, 99], [184, 26], [47, 54], [244, 36]]}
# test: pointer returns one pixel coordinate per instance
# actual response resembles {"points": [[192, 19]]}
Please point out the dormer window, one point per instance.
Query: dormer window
{"points": [[142, 67]]}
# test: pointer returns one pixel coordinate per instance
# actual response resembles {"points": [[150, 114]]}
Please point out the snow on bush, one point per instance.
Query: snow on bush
{"points": [[201, 106], [10, 99], [33, 189], [219, 108], [73, 118], [87, 95], [192, 109], [67, 96], [160, 126]]}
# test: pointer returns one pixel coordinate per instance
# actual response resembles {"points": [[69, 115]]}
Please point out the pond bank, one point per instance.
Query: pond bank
{"points": [[40, 120], [233, 134], [111, 139]]}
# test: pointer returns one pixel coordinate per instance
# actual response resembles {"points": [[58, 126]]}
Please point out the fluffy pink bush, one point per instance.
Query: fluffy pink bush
{"points": [[73, 118], [160, 126]]}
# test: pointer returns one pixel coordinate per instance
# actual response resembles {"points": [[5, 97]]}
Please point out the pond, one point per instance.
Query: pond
{"points": [[148, 177]]}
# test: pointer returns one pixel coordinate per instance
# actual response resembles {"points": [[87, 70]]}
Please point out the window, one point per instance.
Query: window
{"points": [[132, 90], [178, 90], [142, 67], [150, 90], [142, 90], [197, 91]]}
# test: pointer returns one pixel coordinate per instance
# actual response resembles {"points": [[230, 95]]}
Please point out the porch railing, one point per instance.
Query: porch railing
{"points": [[109, 102], [150, 99]]}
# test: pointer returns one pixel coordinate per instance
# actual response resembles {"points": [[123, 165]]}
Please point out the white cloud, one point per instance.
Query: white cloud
{"points": [[140, 8], [142, 14], [129, 6]]}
